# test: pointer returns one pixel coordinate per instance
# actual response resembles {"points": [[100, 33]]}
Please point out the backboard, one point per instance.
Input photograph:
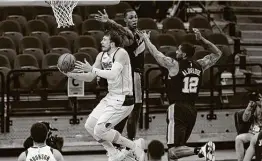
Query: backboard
{"points": [[42, 2]]}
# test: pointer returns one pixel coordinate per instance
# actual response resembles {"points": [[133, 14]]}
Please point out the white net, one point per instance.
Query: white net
{"points": [[63, 11]]}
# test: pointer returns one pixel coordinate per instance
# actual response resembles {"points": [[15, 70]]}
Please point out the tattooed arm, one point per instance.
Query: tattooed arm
{"points": [[170, 64], [212, 58], [125, 33]]}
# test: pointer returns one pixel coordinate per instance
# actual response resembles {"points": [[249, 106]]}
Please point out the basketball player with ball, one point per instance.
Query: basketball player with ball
{"points": [[113, 64]]}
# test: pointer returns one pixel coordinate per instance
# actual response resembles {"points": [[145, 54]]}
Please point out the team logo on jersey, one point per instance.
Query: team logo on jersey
{"points": [[107, 65]]}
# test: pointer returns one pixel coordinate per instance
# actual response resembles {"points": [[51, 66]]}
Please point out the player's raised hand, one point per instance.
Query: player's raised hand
{"points": [[197, 33], [143, 34], [85, 67], [102, 17]]}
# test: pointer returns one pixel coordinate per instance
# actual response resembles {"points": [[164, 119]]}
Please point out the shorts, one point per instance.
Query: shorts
{"points": [[181, 119], [113, 108]]}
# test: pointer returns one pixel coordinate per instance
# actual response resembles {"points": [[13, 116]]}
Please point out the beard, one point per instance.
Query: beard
{"points": [[106, 49]]}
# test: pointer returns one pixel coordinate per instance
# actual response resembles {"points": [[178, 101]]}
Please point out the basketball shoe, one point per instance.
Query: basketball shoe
{"points": [[139, 149], [207, 151]]}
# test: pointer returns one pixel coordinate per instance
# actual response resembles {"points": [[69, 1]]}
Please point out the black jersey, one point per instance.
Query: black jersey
{"points": [[185, 85], [258, 147], [136, 54]]}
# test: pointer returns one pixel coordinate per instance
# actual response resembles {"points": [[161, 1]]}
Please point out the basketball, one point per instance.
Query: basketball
{"points": [[66, 62]]}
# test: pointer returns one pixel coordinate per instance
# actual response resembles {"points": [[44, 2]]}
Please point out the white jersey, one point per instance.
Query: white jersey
{"points": [[123, 84], [43, 153]]}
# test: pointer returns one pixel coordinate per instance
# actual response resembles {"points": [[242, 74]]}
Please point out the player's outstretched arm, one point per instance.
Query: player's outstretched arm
{"points": [[125, 33], [121, 58], [87, 77], [165, 61], [212, 58], [251, 149]]}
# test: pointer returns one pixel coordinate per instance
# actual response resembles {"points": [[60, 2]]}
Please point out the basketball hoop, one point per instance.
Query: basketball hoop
{"points": [[63, 10]]}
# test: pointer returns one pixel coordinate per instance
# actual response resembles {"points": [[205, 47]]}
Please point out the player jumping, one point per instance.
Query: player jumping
{"points": [[184, 80], [113, 64]]}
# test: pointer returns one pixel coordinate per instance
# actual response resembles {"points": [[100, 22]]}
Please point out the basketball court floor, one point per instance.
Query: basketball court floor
{"points": [[221, 155]]}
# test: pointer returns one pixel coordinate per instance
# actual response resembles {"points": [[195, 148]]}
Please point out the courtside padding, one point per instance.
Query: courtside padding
{"points": [[77, 139]]}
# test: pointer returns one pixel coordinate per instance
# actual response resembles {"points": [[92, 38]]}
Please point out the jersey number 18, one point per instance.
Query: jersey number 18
{"points": [[190, 84]]}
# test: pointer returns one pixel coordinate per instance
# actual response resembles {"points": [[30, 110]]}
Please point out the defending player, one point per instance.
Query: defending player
{"points": [[183, 85], [135, 48], [39, 150], [113, 64]]}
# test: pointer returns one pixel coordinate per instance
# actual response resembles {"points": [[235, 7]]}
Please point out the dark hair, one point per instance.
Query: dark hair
{"points": [[114, 37], [189, 49], [39, 132], [128, 10], [156, 149]]}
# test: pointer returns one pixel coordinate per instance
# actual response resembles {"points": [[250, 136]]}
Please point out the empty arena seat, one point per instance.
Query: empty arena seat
{"points": [[55, 80], [21, 20], [12, 10], [146, 23], [81, 56], [199, 22], [36, 52], [27, 80], [16, 37], [171, 54], [10, 26], [120, 8], [91, 10], [58, 42], [92, 24], [43, 36], [93, 52], [218, 39], [155, 77], [172, 23], [198, 48], [30, 42], [149, 59], [60, 50], [37, 25], [205, 32], [120, 21], [98, 35], [4, 62], [7, 43], [190, 38], [71, 37], [166, 49], [50, 21], [85, 41], [178, 35], [5, 71], [166, 40], [5, 67], [10, 54]]}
